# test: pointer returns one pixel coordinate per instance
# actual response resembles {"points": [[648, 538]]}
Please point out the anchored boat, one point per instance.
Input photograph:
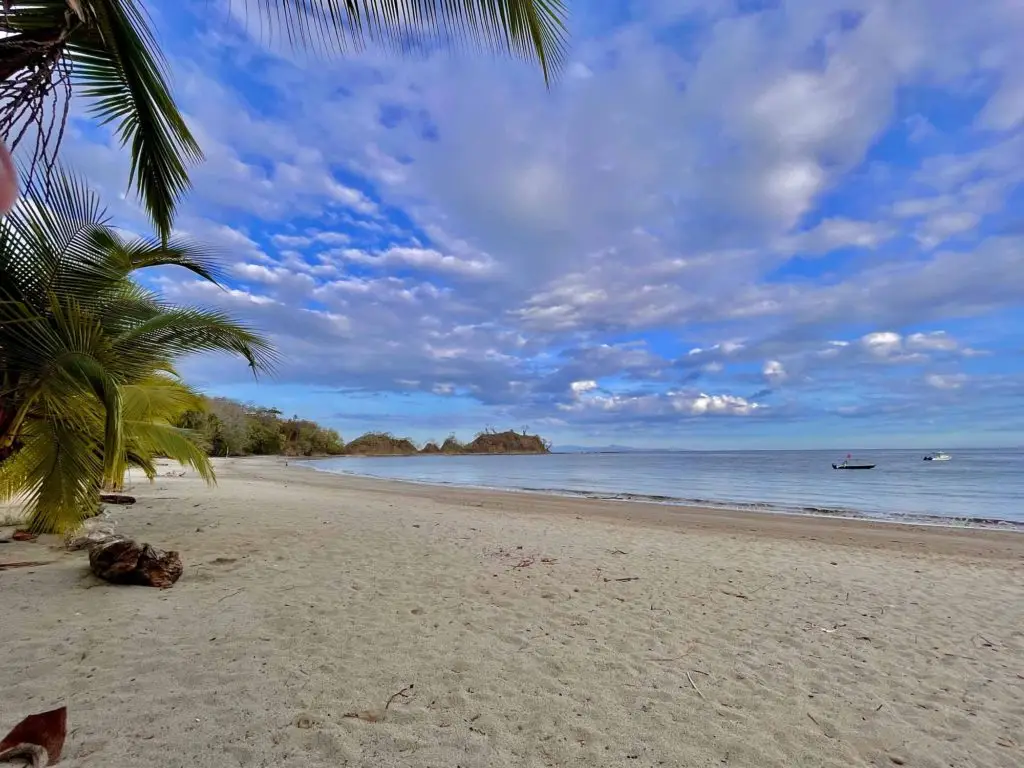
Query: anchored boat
{"points": [[850, 463]]}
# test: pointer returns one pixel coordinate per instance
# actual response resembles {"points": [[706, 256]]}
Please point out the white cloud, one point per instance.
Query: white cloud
{"points": [[882, 344], [942, 226], [418, 258], [679, 404], [579, 387], [840, 233], [774, 371], [933, 341], [945, 381], [256, 272], [725, 404]]}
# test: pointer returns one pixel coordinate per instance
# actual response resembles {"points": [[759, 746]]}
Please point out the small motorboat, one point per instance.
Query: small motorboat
{"points": [[938, 456], [850, 463]]}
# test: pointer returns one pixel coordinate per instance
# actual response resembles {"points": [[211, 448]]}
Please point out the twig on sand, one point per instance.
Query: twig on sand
{"points": [[619, 552], [823, 730], [526, 562], [693, 684], [24, 564], [230, 594], [740, 595], [402, 694], [376, 715], [626, 578]]}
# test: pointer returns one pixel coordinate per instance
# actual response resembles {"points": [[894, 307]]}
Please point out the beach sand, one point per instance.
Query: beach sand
{"points": [[525, 630]]}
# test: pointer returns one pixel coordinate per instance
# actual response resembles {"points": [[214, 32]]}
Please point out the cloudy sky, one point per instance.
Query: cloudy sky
{"points": [[730, 223]]}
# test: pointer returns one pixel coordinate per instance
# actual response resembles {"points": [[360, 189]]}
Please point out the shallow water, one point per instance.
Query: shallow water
{"points": [[978, 486]]}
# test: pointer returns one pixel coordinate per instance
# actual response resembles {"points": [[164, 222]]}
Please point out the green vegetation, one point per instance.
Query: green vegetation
{"points": [[104, 52], [227, 428], [87, 381], [486, 442]]}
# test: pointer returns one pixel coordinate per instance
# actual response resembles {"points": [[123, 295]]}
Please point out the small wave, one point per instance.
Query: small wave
{"points": [[696, 502]]}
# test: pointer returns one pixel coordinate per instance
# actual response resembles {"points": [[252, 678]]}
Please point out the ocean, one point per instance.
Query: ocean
{"points": [[978, 487]]}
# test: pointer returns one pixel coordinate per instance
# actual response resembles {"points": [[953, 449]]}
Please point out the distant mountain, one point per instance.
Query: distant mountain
{"points": [[594, 449]]}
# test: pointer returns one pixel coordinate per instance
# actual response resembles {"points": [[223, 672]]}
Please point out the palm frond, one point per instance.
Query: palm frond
{"points": [[530, 29], [153, 439], [54, 475], [175, 332], [151, 407], [117, 61], [201, 260], [48, 238]]}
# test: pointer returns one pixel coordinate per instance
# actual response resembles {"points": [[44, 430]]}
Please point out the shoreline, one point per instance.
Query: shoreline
{"points": [[707, 505], [327, 620], [842, 531]]}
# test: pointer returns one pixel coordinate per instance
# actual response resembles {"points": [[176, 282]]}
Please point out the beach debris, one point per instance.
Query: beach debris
{"points": [[405, 693], [624, 578], [125, 561], [526, 562], [618, 552], [693, 684], [94, 535], [24, 536], [23, 564], [376, 715], [740, 595], [116, 498], [38, 738]]}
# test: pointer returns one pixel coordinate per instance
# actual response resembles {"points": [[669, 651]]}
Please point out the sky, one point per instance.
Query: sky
{"points": [[727, 224]]}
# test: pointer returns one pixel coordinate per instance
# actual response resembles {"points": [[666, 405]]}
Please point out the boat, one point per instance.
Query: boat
{"points": [[850, 463], [938, 456]]}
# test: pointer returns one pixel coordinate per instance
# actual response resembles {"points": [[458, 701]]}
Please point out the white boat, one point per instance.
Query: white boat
{"points": [[938, 456]]}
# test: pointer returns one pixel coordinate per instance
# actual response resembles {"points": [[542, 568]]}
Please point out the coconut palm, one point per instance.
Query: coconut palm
{"points": [[87, 386], [104, 50]]}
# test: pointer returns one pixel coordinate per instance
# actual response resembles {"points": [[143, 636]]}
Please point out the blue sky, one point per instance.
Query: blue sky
{"points": [[728, 224]]}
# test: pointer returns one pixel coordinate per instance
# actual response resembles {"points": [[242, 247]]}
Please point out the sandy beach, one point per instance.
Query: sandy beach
{"points": [[516, 630]]}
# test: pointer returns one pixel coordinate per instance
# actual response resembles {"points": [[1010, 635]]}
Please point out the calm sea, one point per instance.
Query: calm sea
{"points": [[981, 487]]}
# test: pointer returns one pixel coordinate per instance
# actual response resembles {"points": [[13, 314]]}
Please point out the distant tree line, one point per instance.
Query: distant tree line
{"points": [[229, 428]]}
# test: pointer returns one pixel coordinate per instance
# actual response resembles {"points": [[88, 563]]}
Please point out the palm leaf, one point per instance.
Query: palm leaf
{"points": [[54, 476], [175, 332], [530, 29], [117, 61]]}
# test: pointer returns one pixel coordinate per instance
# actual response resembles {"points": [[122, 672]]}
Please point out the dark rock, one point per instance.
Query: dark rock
{"points": [[24, 536], [123, 561]]}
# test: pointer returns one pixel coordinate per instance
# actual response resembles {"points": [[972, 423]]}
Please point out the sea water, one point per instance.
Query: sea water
{"points": [[977, 487]]}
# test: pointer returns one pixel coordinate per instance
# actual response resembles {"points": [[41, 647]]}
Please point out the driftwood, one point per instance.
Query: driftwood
{"points": [[116, 498], [124, 561], [93, 534], [24, 564], [38, 739]]}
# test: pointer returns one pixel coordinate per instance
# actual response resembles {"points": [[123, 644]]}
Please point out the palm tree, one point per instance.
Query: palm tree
{"points": [[87, 385], [105, 51]]}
